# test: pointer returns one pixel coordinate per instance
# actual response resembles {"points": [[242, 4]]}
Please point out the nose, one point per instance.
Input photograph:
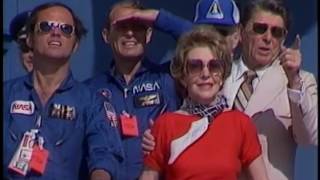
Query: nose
{"points": [[129, 32], [205, 72], [55, 31], [267, 36]]}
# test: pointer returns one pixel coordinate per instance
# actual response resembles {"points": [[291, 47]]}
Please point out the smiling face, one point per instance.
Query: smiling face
{"points": [[260, 49], [53, 43], [202, 86], [128, 39]]}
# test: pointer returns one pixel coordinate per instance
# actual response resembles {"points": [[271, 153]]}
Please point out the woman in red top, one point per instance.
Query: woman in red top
{"points": [[201, 140]]}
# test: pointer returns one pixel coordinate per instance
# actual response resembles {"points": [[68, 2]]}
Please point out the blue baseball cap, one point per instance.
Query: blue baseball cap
{"points": [[217, 12], [17, 26]]}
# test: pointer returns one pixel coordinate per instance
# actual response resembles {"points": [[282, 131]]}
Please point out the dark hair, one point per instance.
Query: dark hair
{"points": [[273, 6], [135, 4], [79, 28]]}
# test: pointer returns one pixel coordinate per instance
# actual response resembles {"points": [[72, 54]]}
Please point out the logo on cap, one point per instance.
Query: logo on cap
{"points": [[215, 10]]}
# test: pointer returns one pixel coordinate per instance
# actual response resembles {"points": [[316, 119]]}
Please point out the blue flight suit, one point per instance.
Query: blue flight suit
{"points": [[150, 93], [73, 123]]}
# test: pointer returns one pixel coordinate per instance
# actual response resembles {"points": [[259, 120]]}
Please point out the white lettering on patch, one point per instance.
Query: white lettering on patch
{"points": [[146, 87], [22, 107]]}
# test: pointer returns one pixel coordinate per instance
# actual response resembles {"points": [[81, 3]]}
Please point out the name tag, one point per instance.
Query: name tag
{"points": [[63, 111], [147, 100]]}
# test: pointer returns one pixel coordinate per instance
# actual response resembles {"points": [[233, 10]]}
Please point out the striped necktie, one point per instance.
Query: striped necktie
{"points": [[245, 91]]}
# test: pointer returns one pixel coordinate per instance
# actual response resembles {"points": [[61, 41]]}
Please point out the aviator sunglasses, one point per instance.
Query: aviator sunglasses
{"points": [[47, 26], [277, 32], [196, 66]]}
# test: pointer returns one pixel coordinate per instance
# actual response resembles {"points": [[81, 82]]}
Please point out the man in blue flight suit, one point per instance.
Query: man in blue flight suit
{"points": [[137, 89], [51, 121]]}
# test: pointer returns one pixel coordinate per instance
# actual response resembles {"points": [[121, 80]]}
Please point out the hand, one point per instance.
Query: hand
{"points": [[99, 174], [146, 17], [290, 59], [148, 141]]}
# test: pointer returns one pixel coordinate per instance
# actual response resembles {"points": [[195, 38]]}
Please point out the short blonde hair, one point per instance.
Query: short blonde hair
{"points": [[200, 36]]}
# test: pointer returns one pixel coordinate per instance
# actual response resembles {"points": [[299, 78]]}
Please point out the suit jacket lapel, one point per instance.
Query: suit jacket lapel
{"points": [[272, 83]]}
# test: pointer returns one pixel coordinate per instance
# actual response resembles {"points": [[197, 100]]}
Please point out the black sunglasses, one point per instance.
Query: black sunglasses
{"points": [[277, 32], [47, 26], [196, 66], [225, 31]]}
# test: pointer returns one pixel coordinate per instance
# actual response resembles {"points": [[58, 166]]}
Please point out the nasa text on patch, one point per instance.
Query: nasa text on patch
{"points": [[22, 107]]}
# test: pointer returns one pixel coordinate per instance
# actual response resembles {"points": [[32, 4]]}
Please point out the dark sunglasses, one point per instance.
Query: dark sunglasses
{"points": [[277, 32], [196, 66], [24, 48], [47, 26], [225, 31]]}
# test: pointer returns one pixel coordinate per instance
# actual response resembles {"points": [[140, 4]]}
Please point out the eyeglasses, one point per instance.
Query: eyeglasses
{"points": [[24, 48], [277, 32], [196, 66], [47, 26], [225, 31]]}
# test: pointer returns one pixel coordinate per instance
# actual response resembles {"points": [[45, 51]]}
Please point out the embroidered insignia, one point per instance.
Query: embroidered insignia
{"points": [[105, 93], [215, 10], [111, 114], [63, 111], [22, 107], [147, 100]]}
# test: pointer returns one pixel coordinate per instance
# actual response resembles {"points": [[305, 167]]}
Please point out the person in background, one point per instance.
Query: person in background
{"points": [[51, 121], [135, 89], [268, 84], [223, 15], [201, 140], [18, 32]]}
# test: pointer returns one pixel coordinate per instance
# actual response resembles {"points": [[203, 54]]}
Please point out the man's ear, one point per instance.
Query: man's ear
{"points": [[235, 38], [75, 47], [242, 33], [29, 42], [148, 35], [105, 35]]}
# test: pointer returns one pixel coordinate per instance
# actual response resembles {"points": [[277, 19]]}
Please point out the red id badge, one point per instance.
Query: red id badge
{"points": [[129, 125], [39, 159]]}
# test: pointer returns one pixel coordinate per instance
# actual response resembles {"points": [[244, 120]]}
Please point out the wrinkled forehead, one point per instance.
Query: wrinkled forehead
{"points": [[57, 14], [267, 17]]}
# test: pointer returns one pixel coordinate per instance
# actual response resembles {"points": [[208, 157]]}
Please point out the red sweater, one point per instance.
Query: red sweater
{"points": [[231, 142]]}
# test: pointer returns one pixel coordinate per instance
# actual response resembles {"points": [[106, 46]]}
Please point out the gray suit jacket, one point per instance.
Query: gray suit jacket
{"points": [[281, 123]]}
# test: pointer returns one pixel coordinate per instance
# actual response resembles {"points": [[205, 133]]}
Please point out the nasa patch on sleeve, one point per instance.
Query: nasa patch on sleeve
{"points": [[22, 107], [147, 100]]}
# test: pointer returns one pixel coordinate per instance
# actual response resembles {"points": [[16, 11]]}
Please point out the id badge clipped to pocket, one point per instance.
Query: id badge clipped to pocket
{"points": [[39, 157], [21, 158], [129, 125]]}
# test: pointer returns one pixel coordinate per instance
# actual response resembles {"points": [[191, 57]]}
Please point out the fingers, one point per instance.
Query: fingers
{"points": [[123, 19], [297, 43], [292, 53], [148, 142], [151, 122]]}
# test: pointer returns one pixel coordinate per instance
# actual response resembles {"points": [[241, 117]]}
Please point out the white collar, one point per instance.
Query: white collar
{"points": [[241, 68]]}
